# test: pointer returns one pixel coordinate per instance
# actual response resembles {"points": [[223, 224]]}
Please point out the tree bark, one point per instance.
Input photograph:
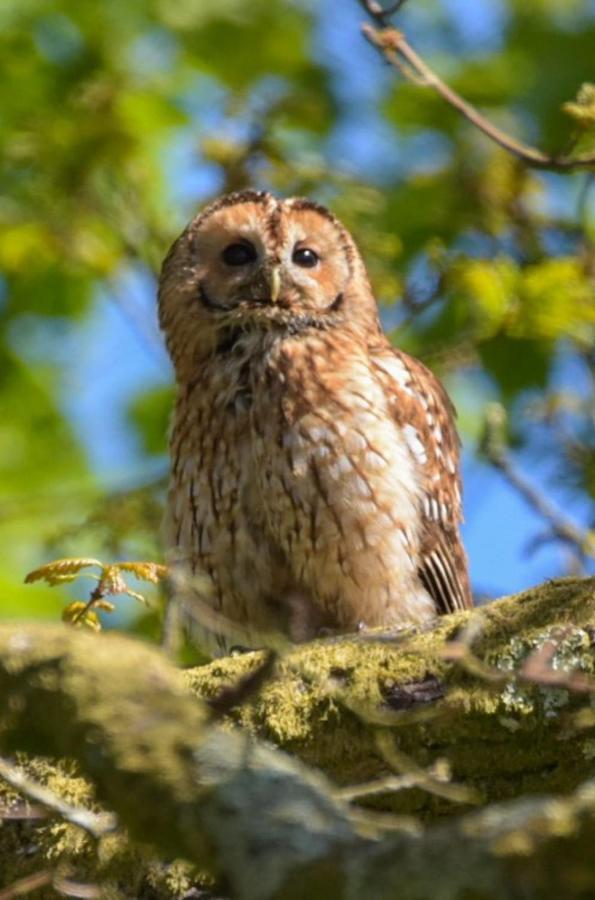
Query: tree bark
{"points": [[328, 701], [264, 825]]}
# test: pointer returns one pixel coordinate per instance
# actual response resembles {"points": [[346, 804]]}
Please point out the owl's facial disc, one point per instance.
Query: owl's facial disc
{"points": [[253, 263], [271, 263]]}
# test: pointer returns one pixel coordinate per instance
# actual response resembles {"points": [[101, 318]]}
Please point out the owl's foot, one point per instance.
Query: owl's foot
{"points": [[239, 650]]}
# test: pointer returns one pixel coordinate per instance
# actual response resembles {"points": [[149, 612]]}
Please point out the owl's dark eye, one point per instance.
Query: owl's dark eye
{"points": [[305, 257], [239, 254]]}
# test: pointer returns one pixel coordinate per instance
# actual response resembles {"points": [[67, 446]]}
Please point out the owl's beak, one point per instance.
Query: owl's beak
{"points": [[275, 284]]}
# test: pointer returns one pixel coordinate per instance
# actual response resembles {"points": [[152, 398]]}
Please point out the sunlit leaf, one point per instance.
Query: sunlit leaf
{"points": [[145, 571], [77, 613], [59, 570]]}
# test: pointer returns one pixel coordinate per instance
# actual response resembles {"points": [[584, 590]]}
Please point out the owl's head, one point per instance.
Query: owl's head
{"points": [[256, 262]]}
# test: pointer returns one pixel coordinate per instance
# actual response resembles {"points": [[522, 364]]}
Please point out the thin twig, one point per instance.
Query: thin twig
{"points": [[493, 446], [415, 306], [537, 668], [397, 51], [26, 885], [560, 527], [379, 13], [378, 823], [22, 812], [144, 329], [97, 825], [436, 780], [65, 886], [201, 612], [389, 785], [237, 694], [78, 889], [97, 594]]}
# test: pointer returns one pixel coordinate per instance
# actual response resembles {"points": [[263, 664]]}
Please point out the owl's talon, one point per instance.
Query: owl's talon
{"points": [[239, 650]]}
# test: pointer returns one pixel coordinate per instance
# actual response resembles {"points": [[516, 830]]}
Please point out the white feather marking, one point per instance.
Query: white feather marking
{"points": [[397, 371], [362, 487], [367, 418], [433, 509], [415, 444], [340, 467], [403, 538], [320, 433], [356, 443], [374, 460], [360, 403]]}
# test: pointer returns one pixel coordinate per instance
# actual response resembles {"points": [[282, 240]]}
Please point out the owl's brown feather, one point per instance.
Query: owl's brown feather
{"points": [[423, 408], [315, 479]]}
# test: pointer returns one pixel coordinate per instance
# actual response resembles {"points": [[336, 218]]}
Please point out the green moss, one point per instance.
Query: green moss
{"points": [[327, 699], [88, 696], [53, 843], [128, 718]]}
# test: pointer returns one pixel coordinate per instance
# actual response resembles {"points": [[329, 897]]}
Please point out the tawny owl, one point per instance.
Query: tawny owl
{"points": [[315, 468]]}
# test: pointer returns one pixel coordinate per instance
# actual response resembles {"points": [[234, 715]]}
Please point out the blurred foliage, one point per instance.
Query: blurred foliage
{"points": [[100, 101]]}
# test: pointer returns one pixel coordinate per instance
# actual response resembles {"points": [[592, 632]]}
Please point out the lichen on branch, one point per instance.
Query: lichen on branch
{"points": [[264, 825], [328, 700]]}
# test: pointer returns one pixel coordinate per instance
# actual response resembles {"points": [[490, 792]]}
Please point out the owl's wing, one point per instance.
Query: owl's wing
{"points": [[423, 410]]}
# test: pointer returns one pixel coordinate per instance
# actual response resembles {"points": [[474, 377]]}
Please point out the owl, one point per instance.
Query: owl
{"points": [[315, 482]]}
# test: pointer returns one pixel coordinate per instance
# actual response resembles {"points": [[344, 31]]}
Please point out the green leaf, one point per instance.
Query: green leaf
{"points": [[582, 110], [516, 364], [150, 413]]}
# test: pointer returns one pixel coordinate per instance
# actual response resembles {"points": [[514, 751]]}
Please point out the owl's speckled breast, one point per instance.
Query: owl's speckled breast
{"points": [[293, 490]]}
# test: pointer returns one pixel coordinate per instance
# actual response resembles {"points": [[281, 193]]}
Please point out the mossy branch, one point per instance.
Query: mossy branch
{"points": [[266, 825], [502, 737]]}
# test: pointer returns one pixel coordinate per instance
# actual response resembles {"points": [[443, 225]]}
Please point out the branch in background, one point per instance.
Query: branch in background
{"points": [[399, 53], [493, 447], [417, 304], [538, 668], [66, 887], [95, 824], [560, 527], [26, 885]]}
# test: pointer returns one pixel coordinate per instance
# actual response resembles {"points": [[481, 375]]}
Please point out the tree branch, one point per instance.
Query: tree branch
{"points": [[27, 885], [272, 828], [560, 527], [326, 701], [400, 54], [97, 825], [494, 449]]}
